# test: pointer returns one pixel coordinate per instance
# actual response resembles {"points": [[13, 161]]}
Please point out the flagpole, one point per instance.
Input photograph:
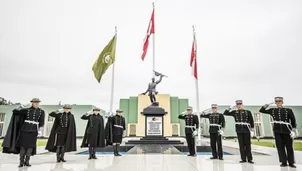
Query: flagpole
{"points": [[153, 65], [196, 86], [112, 79]]}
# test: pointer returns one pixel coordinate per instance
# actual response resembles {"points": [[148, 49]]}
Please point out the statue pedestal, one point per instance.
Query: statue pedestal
{"points": [[154, 127], [154, 120]]}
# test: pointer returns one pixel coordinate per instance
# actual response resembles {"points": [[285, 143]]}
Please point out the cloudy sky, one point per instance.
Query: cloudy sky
{"points": [[247, 49]]}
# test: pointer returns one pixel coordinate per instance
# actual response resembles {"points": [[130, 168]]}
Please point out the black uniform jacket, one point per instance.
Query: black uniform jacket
{"points": [[281, 114], [215, 118], [241, 116]]}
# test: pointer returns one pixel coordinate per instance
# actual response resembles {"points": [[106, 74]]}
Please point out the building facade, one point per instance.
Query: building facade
{"points": [[135, 121]]}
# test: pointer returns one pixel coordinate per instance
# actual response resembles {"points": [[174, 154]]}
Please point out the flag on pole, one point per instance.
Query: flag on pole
{"points": [[105, 59], [193, 60], [149, 32]]}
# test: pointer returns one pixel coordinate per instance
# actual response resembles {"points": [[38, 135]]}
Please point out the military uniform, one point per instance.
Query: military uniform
{"points": [[244, 125], [62, 137], [192, 124], [94, 134], [115, 128], [217, 123], [284, 123], [23, 132]]}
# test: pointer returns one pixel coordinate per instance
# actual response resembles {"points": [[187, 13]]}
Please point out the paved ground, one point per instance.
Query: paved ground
{"points": [[150, 162]]}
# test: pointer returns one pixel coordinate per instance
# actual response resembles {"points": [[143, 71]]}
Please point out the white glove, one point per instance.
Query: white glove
{"points": [[252, 134], [39, 133], [184, 112], [195, 133], [267, 105], [124, 134], [59, 111], [29, 105], [292, 134], [231, 107], [221, 132], [89, 112]]}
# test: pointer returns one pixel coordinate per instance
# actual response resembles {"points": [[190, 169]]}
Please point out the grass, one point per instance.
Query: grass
{"points": [[271, 143], [40, 142]]}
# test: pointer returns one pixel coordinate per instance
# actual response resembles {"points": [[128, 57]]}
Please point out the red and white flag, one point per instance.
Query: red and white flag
{"points": [[149, 32], [193, 60]]}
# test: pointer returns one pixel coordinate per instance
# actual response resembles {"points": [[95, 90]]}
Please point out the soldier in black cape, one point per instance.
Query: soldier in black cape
{"points": [[115, 128], [23, 130], [62, 137], [285, 130], [94, 136]]}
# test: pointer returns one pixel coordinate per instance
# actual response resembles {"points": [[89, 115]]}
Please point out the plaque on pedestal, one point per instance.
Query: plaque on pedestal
{"points": [[154, 121]]}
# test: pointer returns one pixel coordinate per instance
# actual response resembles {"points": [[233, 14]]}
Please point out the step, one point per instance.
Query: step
{"points": [[154, 142], [154, 138]]}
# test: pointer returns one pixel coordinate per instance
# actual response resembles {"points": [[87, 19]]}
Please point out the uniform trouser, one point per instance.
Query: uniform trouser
{"points": [[215, 139], [285, 141], [191, 143], [25, 153], [244, 140]]}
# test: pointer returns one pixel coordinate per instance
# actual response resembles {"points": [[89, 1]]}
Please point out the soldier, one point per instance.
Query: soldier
{"points": [[217, 124], [245, 130], [94, 136], [21, 136], [62, 137], [191, 129], [115, 130], [284, 130]]}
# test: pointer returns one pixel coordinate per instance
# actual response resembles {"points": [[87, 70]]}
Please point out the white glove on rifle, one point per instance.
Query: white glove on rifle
{"points": [[195, 133], [252, 133], [293, 133], [221, 132]]}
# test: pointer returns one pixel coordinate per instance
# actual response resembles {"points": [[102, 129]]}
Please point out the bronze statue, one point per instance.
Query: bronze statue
{"points": [[152, 87]]}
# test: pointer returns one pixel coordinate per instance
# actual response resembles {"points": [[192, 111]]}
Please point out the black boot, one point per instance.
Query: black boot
{"points": [[118, 149], [27, 157], [94, 151], [90, 152], [58, 155], [22, 155], [62, 154], [27, 161], [114, 150]]}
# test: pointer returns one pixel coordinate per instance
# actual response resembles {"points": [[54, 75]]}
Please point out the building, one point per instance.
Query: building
{"points": [[135, 121]]}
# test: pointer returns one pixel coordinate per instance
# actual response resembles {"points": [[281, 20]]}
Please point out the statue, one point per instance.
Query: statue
{"points": [[152, 87]]}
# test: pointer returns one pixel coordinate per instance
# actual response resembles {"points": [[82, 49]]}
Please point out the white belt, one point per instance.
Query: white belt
{"points": [[244, 123], [119, 126], [284, 123], [187, 126], [33, 122], [215, 125]]}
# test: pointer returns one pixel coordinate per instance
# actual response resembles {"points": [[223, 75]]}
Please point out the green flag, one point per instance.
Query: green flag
{"points": [[105, 59]]}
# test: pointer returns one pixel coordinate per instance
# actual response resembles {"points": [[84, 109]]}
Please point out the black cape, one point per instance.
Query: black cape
{"points": [[108, 131], [100, 133], [12, 135], [71, 140]]}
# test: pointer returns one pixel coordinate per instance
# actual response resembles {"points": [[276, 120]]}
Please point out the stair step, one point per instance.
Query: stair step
{"points": [[154, 142]]}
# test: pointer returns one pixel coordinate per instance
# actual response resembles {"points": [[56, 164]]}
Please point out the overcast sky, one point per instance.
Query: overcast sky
{"points": [[248, 50]]}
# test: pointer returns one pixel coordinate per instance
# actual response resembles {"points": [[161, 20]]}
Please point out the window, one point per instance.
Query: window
{"points": [[259, 131], [2, 118], [49, 124]]}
